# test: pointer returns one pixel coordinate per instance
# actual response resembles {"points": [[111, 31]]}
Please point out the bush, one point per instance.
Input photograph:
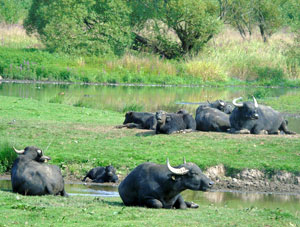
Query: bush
{"points": [[7, 156], [91, 27], [267, 74]]}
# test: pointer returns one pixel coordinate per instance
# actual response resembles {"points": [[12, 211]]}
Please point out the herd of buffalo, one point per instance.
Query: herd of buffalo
{"points": [[149, 184]]}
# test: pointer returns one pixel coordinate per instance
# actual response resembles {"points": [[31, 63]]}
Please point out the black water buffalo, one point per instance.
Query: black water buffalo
{"points": [[102, 174], [168, 123], [159, 186], [221, 105], [211, 119], [142, 120], [249, 117], [31, 176]]}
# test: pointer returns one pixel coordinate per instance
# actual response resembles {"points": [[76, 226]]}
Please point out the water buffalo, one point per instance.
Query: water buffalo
{"points": [[168, 123], [142, 120], [102, 174], [31, 176], [221, 105], [159, 186], [249, 117], [211, 119]]}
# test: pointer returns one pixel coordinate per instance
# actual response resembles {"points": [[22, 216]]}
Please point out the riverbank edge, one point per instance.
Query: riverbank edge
{"points": [[240, 84], [247, 180]]}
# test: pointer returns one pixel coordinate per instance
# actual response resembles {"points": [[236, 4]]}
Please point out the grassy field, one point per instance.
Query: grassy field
{"points": [[19, 210], [79, 138]]}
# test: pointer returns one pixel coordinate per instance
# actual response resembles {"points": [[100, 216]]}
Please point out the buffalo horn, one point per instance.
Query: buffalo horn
{"points": [[221, 103], [180, 171], [237, 104], [255, 102], [18, 152]]}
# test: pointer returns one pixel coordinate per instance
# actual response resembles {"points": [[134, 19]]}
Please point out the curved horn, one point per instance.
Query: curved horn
{"points": [[19, 151], [221, 103], [237, 104], [184, 162], [180, 171], [255, 102]]}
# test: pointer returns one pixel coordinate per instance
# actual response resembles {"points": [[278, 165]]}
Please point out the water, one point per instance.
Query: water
{"points": [[148, 98], [234, 199]]}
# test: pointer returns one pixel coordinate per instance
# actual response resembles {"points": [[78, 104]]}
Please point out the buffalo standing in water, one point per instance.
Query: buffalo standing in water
{"points": [[159, 186], [249, 117], [31, 176]]}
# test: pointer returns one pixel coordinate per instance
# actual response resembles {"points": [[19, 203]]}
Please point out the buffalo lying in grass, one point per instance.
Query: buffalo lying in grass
{"points": [[102, 174], [159, 186], [249, 117], [141, 120], [168, 123], [31, 176], [221, 105], [211, 119]]}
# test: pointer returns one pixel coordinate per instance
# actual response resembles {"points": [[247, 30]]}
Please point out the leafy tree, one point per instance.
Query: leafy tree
{"points": [[244, 15], [12, 11], [175, 27], [81, 26]]}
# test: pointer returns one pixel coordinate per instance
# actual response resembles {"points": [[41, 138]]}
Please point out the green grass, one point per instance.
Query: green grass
{"points": [[20, 210], [79, 138]]}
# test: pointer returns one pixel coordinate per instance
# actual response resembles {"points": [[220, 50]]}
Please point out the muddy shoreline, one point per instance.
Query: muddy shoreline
{"points": [[248, 180]]}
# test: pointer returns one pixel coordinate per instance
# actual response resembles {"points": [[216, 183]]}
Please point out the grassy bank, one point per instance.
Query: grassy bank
{"points": [[80, 138], [18, 210], [226, 60]]}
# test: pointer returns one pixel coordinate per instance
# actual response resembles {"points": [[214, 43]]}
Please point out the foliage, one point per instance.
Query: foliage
{"points": [[175, 28], [91, 27], [7, 156], [245, 15], [13, 11]]}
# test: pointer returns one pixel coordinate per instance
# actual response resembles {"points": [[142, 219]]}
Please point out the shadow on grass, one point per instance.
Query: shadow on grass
{"points": [[145, 134]]}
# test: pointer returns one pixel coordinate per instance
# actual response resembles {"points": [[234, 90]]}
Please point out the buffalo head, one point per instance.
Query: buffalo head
{"points": [[190, 176], [33, 153], [249, 109]]}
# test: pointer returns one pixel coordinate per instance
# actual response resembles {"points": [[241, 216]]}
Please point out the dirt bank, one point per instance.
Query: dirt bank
{"points": [[254, 180]]}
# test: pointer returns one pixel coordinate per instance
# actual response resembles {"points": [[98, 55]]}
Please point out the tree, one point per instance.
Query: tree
{"points": [[244, 15], [175, 27], [13, 11], [81, 26]]}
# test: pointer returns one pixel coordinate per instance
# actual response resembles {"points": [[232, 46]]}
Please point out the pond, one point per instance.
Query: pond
{"points": [[141, 98], [232, 199]]}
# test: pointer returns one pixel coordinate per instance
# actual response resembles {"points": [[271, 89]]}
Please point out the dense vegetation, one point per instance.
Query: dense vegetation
{"points": [[129, 41]]}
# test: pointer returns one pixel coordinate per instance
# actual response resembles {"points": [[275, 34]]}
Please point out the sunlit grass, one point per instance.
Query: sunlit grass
{"points": [[14, 36]]}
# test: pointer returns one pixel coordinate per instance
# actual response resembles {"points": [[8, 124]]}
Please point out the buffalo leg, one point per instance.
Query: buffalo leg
{"points": [[63, 193], [153, 203], [191, 204], [180, 203], [284, 128]]}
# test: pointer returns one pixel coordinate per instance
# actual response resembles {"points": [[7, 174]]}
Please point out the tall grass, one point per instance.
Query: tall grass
{"points": [[226, 59], [7, 156]]}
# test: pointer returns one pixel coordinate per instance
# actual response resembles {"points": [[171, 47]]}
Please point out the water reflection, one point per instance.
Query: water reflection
{"points": [[232, 199]]}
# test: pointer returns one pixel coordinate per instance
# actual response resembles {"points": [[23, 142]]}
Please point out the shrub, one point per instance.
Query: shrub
{"points": [[7, 156], [91, 27]]}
